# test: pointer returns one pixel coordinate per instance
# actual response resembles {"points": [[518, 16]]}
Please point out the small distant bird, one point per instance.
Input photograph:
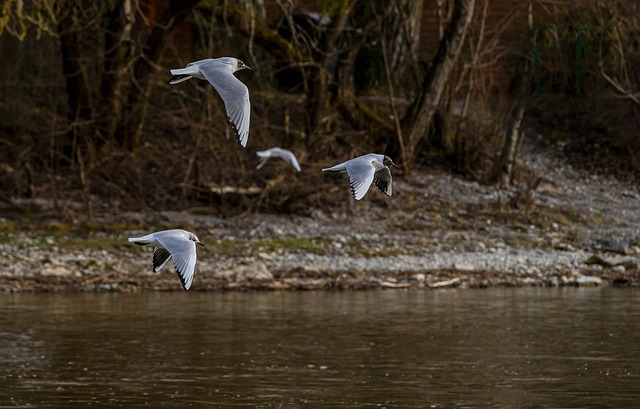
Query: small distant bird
{"points": [[177, 243], [364, 170], [286, 155], [219, 72]]}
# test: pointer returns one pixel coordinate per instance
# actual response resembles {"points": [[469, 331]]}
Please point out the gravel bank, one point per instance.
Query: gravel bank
{"points": [[436, 231]]}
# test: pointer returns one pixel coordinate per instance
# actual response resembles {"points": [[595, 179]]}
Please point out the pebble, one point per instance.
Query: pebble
{"points": [[399, 247], [466, 267], [588, 281], [618, 269]]}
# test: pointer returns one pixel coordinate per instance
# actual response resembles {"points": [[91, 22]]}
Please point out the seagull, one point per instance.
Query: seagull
{"points": [[286, 155], [219, 73], [364, 170], [177, 243]]}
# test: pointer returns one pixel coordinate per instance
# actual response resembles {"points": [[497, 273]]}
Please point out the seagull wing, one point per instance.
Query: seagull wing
{"points": [[264, 154], [235, 96], [382, 179], [200, 62], [361, 173], [160, 258], [290, 158], [262, 162], [183, 252]]}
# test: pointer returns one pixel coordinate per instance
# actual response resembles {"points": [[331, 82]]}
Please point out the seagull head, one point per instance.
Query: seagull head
{"points": [[194, 238], [241, 66], [233, 63], [388, 162]]}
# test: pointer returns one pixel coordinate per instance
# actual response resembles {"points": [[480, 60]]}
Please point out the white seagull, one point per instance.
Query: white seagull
{"points": [[286, 155], [177, 243], [364, 170], [219, 73]]}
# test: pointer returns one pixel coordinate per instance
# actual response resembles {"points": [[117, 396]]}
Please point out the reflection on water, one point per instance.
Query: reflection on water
{"points": [[460, 348]]}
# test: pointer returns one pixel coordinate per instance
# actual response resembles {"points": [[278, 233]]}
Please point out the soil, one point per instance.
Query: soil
{"points": [[557, 226]]}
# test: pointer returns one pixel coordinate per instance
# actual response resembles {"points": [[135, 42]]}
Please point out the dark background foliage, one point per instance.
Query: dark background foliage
{"points": [[87, 115]]}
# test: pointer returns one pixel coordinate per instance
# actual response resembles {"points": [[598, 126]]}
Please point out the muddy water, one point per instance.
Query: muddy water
{"points": [[573, 348]]}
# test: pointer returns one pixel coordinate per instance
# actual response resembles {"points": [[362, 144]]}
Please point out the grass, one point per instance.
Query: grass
{"points": [[63, 241], [7, 226], [222, 247], [252, 247]]}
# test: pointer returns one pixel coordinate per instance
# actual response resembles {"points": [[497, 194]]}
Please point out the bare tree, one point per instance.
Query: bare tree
{"points": [[503, 170], [109, 50], [419, 115]]}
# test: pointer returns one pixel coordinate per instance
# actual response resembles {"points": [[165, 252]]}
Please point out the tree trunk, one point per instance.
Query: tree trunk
{"points": [[74, 70], [319, 78], [503, 170], [418, 117], [403, 36], [117, 54], [129, 132]]}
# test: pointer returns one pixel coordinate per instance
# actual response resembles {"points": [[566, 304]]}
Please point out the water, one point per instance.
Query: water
{"points": [[502, 348]]}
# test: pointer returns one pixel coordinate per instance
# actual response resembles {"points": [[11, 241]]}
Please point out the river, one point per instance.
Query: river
{"points": [[499, 348]]}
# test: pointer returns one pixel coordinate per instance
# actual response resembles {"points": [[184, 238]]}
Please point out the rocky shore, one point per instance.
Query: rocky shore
{"points": [[437, 231]]}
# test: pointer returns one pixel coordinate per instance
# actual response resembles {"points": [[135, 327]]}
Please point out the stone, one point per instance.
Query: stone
{"points": [[256, 272], [454, 282], [614, 246], [466, 267], [55, 271], [564, 247], [588, 281], [597, 260], [618, 269], [265, 256]]}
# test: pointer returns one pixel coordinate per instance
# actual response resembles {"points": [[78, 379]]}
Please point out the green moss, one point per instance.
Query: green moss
{"points": [[99, 243], [7, 226], [91, 227], [230, 247], [303, 243], [6, 238], [56, 227]]}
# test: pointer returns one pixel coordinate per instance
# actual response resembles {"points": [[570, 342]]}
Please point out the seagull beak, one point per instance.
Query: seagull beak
{"points": [[395, 166], [201, 244], [246, 67]]}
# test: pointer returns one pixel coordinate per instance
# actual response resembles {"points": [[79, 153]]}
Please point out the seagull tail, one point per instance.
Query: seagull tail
{"points": [[182, 74], [337, 168], [140, 241], [176, 79]]}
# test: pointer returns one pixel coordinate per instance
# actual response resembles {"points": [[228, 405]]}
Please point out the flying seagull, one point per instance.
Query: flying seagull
{"points": [[364, 170], [286, 155], [219, 73], [177, 243]]}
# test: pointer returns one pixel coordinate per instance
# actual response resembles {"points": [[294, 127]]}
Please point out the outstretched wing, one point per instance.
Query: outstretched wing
{"points": [[361, 173], [382, 180], [183, 252], [160, 258], [291, 159], [262, 162], [235, 96]]}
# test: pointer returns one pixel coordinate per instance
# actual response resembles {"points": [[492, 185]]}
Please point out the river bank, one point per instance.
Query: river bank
{"points": [[438, 230]]}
